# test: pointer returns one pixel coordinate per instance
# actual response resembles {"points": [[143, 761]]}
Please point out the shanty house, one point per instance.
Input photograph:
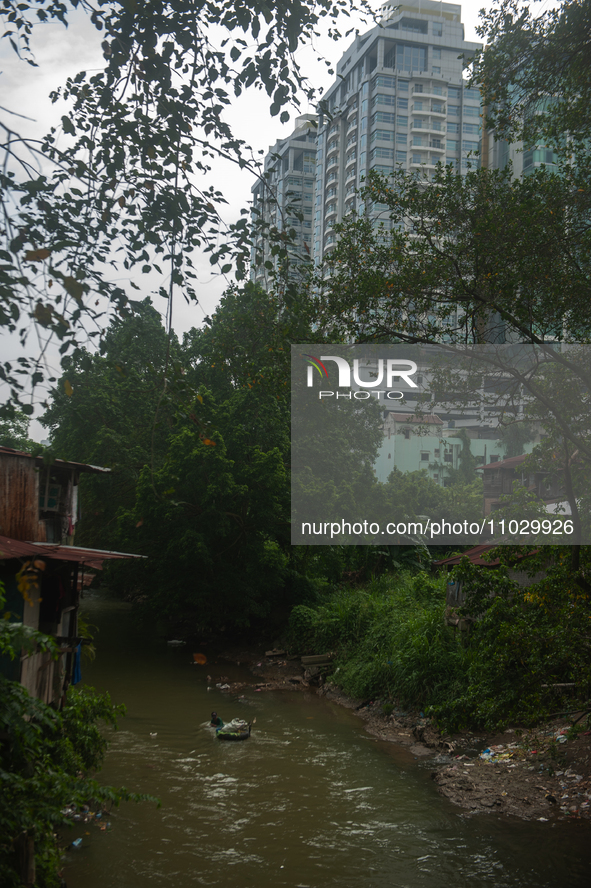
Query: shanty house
{"points": [[42, 572]]}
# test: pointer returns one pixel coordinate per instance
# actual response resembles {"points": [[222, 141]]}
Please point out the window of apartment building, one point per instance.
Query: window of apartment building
{"points": [[420, 140], [437, 90], [416, 26], [362, 159], [436, 69], [425, 456], [436, 452], [401, 157], [382, 99], [383, 117], [419, 106], [472, 92], [330, 239], [331, 208], [471, 127], [364, 106], [318, 200], [403, 85], [437, 107], [417, 158], [401, 120], [382, 152], [453, 92], [453, 110], [418, 122], [411, 58], [331, 192], [452, 144], [438, 29], [469, 146], [436, 53], [382, 169], [363, 124], [451, 161], [403, 104], [401, 138], [384, 135], [333, 144], [447, 456], [453, 127], [331, 176], [383, 80], [471, 111]]}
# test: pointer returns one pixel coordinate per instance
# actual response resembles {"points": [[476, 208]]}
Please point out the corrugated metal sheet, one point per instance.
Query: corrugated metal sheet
{"points": [[58, 463], [90, 557]]}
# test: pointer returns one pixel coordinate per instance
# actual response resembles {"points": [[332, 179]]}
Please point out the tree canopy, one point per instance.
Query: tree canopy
{"points": [[126, 186]]}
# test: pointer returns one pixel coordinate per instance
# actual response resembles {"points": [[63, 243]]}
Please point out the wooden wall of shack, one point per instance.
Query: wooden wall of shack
{"points": [[50, 606], [19, 503]]}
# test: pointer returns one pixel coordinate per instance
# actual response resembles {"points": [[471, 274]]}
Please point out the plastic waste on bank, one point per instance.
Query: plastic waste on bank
{"points": [[77, 843]]}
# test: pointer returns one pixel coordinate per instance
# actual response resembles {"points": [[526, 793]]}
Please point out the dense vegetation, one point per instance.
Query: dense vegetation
{"points": [[392, 643]]}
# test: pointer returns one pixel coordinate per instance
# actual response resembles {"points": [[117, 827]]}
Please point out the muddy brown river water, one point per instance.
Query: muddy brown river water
{"points": [[309, 801]]}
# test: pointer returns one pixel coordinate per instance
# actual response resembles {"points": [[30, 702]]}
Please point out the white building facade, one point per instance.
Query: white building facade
{"points": [[399, 102]]}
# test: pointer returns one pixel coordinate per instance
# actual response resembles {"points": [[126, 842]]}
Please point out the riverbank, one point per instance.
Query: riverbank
{"points": [[540, 774]]}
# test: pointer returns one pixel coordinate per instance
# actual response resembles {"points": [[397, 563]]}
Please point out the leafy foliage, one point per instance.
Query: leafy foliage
{"points": [[45, 759], [391, 641], [535, 74], [124, 189]]}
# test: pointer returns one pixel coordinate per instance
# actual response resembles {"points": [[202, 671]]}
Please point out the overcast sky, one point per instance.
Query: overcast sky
{"points": [[62, 52]]}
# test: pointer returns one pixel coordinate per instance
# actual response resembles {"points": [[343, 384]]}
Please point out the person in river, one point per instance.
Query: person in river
{"points": [[216, 721]]}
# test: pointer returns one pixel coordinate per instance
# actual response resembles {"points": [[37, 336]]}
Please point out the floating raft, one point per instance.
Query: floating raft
{"points": [[237, 729]]}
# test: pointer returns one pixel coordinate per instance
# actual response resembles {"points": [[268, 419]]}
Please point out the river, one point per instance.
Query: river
{"points": [[310, 800]]}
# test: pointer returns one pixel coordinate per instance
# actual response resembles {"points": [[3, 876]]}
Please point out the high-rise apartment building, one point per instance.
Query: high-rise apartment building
{"points": [[283, 197], [399, 102]]}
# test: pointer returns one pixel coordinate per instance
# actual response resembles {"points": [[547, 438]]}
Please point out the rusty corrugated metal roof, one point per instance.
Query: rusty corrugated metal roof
{"points": [[90, 557], [474, 555], [58, 463]]}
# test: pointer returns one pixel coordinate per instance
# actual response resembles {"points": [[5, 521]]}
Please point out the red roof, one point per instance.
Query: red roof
{"points": [[89, 557], [511, 463], [474, 555]]}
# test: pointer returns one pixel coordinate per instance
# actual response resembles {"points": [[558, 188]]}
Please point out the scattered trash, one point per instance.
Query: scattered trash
{"points": [[77, 843], [175, 642], [154, 735], [200, 659]]}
